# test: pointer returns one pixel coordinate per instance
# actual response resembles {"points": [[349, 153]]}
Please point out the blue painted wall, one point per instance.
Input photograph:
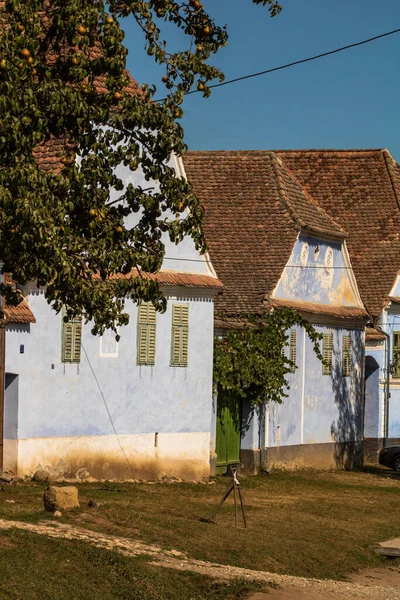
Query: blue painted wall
{"points": [[321, 408], [374, 401], [104, 395], [58, 399]]}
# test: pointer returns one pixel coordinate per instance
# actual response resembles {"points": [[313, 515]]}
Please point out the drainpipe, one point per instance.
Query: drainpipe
{"points": [[387, 387]]}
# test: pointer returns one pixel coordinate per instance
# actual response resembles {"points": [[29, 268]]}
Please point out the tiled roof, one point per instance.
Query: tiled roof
{"points": [[174, 278], [19, 314], [360, 189], [315, 308], [373, 335], [254, 210]]}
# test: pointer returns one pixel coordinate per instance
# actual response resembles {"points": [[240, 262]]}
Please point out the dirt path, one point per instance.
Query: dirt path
{"points": [[376, 586]]}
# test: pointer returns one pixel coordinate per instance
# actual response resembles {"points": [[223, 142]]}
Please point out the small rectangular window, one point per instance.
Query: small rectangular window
{"points": [[293, 350], [396, 355], [109, 344], [146, 334], [71, 339], [180, 335], [346, 355], [327, 353]]}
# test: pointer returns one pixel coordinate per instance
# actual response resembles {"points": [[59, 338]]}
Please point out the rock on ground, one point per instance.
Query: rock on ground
{"points": [[60, 498], [41, 476]]}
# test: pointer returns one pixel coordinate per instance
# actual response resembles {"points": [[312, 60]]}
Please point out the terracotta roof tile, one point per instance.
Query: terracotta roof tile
{"points": [[360, 189], [373, 335], [19, 314], [173, 278], [254, 211], [315, 308]]}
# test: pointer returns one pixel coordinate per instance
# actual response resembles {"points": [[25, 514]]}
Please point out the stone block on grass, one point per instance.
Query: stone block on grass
{"points": [[60, 498]]}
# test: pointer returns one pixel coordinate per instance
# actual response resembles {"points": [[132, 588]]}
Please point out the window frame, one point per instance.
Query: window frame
{"points": [[146, 326], [346, 355], [327, 353], [180, 336], [293, 349], [396, 354], [75, 326]]}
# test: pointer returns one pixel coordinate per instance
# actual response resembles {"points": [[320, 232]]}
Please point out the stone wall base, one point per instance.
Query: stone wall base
{"points": [[250, 462], [344, 455], [137, 456]]}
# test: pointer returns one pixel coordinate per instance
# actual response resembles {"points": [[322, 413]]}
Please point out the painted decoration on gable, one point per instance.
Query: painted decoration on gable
{"points": [[304, 255], [323, 277], [329, 260]]}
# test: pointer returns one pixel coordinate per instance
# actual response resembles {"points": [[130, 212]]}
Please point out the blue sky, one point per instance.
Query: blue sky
{"points": [[349, 100]]}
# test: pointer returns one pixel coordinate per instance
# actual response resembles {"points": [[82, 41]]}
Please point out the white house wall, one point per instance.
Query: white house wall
{"points": [[108, 414]]}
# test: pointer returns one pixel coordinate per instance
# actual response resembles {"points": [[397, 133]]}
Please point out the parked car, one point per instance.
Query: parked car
{"points": [[390, 457]]}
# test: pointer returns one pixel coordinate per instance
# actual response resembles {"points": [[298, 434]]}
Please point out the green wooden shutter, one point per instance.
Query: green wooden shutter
{"points": [[327, 353], [293, 349], [180, 335], [396, 355], [71, 340], [346, 355], [146, 335]]}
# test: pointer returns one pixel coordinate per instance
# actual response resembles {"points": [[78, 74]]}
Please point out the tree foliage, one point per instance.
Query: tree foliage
{"points": [[62, 79], [249, 360]]}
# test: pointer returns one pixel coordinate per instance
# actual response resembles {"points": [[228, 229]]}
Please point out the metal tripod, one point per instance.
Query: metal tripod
{"points": [[235, 487]]}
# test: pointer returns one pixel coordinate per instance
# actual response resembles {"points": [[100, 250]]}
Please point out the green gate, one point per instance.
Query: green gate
{"points": [[228, 431]]}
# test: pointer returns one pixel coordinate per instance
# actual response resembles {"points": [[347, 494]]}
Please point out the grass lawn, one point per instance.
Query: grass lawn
{"points": [[34, 567], [306, 523]]}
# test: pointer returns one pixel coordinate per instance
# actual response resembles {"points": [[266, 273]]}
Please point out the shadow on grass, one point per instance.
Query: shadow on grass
{"points": [[383, 472]]}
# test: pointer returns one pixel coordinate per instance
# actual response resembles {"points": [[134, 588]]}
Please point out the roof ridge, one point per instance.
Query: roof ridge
{"points": [[277, 165], [282, 193], [389, 160], [291, 150], [312, 199]]}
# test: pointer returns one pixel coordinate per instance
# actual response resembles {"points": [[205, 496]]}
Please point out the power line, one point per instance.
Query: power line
{"points": [[295, 63], [108, 412], [232, 260]]}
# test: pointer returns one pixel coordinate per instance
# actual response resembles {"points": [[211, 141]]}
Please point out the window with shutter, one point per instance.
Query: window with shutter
{"points": [[180, 335], [346, 355], [146, 335], [71, 340], [293, 349], [327, 353], [396, 355]]}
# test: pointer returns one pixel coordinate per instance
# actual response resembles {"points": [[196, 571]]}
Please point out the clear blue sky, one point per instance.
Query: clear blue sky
{"points": [[349, 100]]}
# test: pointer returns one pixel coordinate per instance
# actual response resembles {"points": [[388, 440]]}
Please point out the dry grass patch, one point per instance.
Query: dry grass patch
{"points": [[306, 523]]}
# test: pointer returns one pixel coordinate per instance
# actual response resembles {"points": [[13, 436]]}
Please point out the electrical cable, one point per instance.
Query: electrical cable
{"points": [[294, 63], [108, 412]]}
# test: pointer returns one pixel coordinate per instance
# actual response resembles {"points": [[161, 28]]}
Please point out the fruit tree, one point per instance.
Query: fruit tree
{"points": [[63, 208]]}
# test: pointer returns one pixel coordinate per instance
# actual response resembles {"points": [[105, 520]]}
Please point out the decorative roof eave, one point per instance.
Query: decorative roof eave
{"points": [[314, 308], [176, 279], [324, 234]]}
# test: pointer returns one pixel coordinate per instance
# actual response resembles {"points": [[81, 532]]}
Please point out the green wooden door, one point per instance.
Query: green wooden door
{"points": [[228, 431]]}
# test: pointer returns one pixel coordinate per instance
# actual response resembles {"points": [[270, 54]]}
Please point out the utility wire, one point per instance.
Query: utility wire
{"points": [[294, 63], [108, 412], [231, 259]]}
